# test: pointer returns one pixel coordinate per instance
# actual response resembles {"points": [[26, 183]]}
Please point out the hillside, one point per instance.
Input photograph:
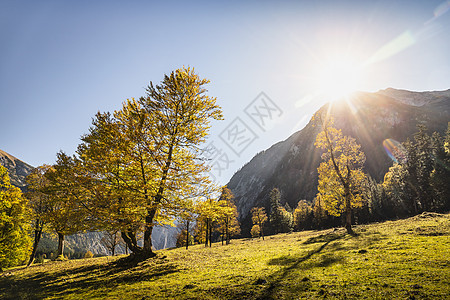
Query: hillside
{"points": [[291, 165], [17, 169], [405, 259]]}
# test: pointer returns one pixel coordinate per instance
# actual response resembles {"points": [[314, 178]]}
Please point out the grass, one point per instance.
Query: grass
{"points": [[405, 259]]}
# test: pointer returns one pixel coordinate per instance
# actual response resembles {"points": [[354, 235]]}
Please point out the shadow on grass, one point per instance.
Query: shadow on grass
{"points": [[292, 263], [63, 282]]}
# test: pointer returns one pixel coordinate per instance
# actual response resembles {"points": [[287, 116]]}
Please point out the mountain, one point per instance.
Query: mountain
{"points": [[17, 169], [291, 165]]}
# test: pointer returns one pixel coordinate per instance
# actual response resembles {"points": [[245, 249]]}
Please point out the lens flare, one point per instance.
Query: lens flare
{"points": [[394, 150]]}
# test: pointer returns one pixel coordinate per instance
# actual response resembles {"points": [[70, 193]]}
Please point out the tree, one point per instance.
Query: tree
{"points": [[419, 164], [111, 239], [228, 221], [287, 220], [179, 113], [303, 215], [184, 238], [66, 214], [319, 212], [259, 217], [152, 161], [275, 211], [255, 231], [209, 211], [14, 217], [119, 172], [440, 176], [39, 202], [186, 222], [341, 179]]}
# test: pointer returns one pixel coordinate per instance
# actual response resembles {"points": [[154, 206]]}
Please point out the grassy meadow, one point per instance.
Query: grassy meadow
{"points": [[404, 259]]}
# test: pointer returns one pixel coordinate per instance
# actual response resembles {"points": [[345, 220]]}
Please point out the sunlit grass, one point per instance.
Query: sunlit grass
{"points": [[391, 260]]}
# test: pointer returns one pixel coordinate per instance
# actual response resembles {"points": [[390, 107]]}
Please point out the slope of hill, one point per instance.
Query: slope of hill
{"points": [[405, 259], [17, 169], [291, 165]]}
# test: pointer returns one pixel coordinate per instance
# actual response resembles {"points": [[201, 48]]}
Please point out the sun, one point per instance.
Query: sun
{"points": [[337, 78]]}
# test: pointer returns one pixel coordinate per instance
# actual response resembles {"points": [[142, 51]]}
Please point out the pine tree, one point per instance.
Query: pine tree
{"points": [[275, 210], [440, 176], [14, 217]]}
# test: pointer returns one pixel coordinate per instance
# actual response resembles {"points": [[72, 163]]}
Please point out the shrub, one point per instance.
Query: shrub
{"points": [[89, 254], [255, 232]]}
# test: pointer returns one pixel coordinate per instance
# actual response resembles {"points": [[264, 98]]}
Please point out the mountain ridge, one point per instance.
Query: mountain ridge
{"points": [[17, 169], [291, 165]]}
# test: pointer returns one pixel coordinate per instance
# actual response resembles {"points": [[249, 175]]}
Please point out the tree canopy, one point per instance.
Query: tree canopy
{"points": [[341, 178], [14, 240]]}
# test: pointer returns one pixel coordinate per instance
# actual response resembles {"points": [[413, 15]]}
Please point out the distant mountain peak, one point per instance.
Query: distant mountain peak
{"points": [[415, 98], [17, 169]]}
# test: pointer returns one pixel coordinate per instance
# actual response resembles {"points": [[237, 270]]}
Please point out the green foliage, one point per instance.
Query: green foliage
{"points": [[281, 220], [275, 212], [14, 217], [422, 181], [303, 215]]}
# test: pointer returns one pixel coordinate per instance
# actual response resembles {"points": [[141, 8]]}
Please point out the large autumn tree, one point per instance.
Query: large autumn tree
{"points": [[14, 239], [341, 178], [145, 158]]}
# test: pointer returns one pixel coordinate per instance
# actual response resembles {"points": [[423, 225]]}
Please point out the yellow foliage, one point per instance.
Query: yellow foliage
{"points": [[340, 174]]}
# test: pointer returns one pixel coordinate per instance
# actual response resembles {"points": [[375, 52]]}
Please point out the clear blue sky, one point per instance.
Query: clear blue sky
{"points": [[62, 61]]}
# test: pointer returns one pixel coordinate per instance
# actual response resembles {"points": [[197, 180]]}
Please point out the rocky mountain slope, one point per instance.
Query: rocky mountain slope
{"points": [[17, 169], [291, 165]]}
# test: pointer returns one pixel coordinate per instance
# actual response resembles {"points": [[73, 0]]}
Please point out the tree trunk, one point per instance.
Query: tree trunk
{"points": [[60, 245], [210, 234], [147, 250], [37, 238], [130, 241], [113, 250], [187, 234], [348, 211], [261, 230], [227, 232], [206, 233]]}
